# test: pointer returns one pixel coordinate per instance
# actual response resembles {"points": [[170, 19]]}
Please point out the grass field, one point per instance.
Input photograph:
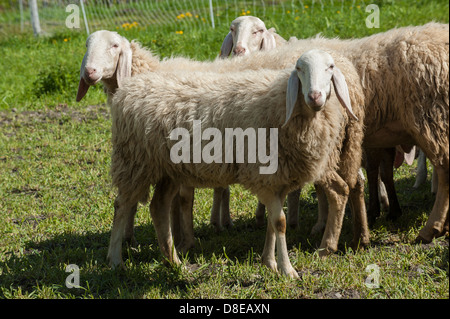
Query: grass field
{"points": [[56, 198]]}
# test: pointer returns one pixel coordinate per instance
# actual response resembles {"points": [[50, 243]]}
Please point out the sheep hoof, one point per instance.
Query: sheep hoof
{"points": [[117, 265], [317, 228], [290, 272], [185, 246], [324, 252], [271, 264]]}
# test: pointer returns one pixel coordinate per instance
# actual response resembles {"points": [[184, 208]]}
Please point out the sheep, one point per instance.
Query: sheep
{"points": [[249, 34], [107, 51], [148, 109], [415, 59]]}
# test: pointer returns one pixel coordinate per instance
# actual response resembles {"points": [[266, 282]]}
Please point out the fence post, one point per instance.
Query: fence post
{"points": [[21, 14], [35, 17], [84, 17], [211, 13]]}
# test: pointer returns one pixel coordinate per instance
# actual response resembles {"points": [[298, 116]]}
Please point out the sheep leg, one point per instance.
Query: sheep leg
{"points": [[372, 170], [322, 211], [387, 176], [165, 191], [225, 217], [129, 228], [124, 211], [421, 175], [276, 236], [337, 192], [215, 210], [186, 203], [434, 181], [439, 214], [175, 220], [292, 203], [260, 212], [358, 207]]}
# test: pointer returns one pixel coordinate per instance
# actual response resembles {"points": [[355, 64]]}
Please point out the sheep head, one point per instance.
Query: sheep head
{"points": [[247, 34], [108, 59], [315, 70]]}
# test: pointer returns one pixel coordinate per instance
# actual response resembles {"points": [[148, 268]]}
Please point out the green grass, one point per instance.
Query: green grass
{"points": [[56, 198]]}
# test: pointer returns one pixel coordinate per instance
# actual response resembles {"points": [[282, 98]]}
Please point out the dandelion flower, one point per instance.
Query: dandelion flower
{"points": [[306, 7], [65, 40]]}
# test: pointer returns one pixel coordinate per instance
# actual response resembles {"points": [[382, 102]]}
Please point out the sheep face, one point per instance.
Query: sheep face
{"points": [[314, 72], [247, 34], [315, 69], [108, 56]]}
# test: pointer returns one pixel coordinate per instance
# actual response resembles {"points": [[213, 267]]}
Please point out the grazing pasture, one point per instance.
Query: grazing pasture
{"points": [[56, 198]]}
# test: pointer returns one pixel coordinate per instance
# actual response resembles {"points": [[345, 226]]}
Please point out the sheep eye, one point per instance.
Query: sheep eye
{"points": [[115, 45], [259, 31], [331, 66], [298, 69], [232, 29]]}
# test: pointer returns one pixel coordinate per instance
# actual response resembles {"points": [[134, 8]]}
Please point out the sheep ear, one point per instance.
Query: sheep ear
{"points": [[341, 89], [124, 64], [83, 87], [291, 95], [227, 45], [268, 41]]}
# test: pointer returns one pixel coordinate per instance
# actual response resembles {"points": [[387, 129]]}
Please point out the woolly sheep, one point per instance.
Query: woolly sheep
{"points": [[107, 51], [415, 59], [146, 109], [249, 34]]}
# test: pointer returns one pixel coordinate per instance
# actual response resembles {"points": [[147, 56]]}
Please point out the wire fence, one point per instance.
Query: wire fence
{"points": [[91, 15]]}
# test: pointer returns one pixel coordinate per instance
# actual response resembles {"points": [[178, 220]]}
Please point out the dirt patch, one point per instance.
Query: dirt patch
{"points": [[59, 114]]}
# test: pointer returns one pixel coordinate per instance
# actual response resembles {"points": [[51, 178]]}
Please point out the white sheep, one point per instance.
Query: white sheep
{"points": [[148, 108], [249, 34], [415, 59], [110, 56]]}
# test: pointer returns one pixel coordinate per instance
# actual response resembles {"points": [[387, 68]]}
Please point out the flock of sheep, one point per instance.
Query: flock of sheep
{"points": [[337, 105]]}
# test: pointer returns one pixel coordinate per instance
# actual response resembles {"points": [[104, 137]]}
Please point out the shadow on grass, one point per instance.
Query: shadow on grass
{"points": [[42, 264]]}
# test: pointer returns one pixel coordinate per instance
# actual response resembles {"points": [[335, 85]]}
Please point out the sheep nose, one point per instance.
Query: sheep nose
{"points": [[90, 70], [239, 50], [91, 73], [314, 96]]}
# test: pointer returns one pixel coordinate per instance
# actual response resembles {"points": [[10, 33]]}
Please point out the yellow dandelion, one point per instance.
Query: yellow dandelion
{"points": [[359, 7], [188, 14], [288, 11], [296, 18], [196, 16], [179, 32], [65, 40], [306, 7], [248, 11], [338, 12]]}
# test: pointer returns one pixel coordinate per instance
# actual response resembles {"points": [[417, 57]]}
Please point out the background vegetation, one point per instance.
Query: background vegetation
{"points": [[56, 198]]}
